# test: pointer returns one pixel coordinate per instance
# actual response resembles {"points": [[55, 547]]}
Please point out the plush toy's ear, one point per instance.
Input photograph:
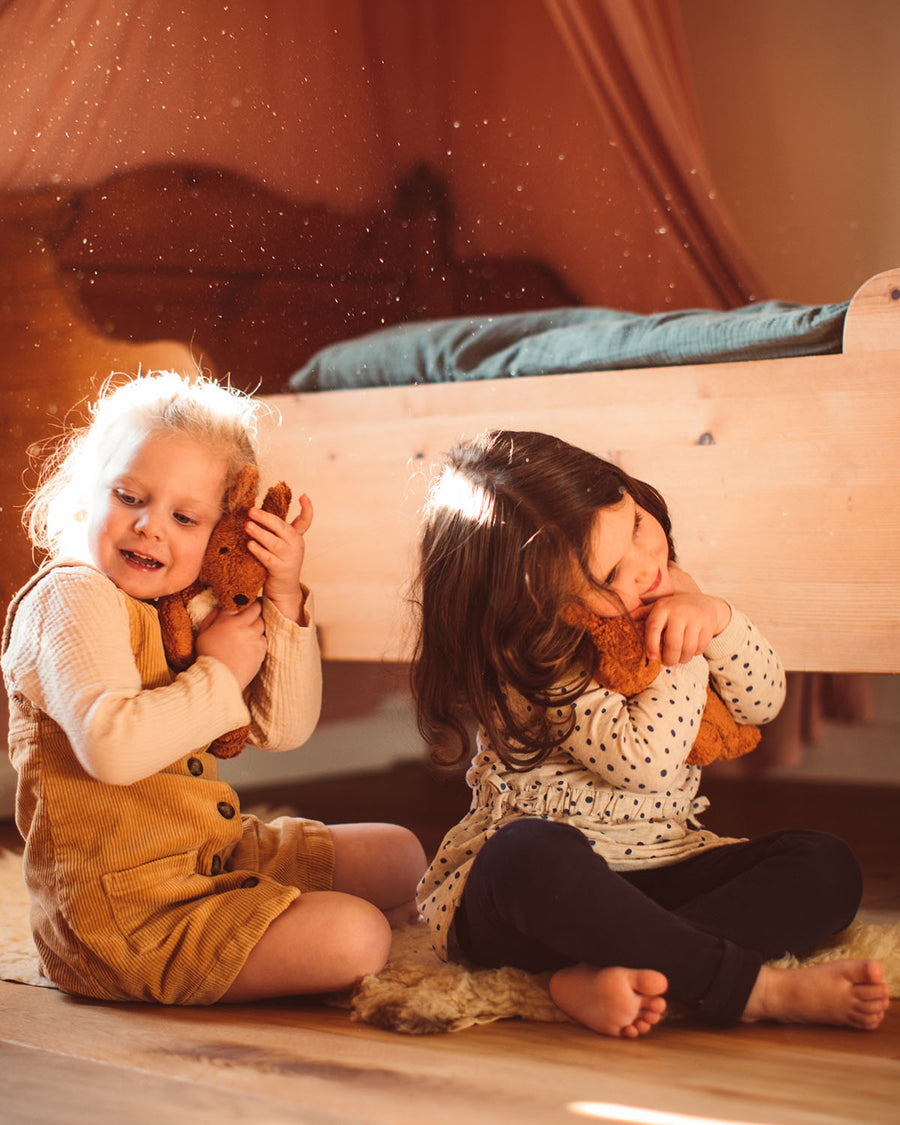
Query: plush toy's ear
{"points": [[242, 494], [233, 574], [278, 500]]}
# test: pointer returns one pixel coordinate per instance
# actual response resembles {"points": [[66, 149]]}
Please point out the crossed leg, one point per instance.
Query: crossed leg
{"points": [[327, 941]]}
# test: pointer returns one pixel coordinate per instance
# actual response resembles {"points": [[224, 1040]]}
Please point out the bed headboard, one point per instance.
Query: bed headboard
{"points": [[781, 475], [256, 282]]}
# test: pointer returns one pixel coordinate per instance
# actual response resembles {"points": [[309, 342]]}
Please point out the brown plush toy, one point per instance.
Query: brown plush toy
{"points": [[232, 574], [623, 667]]}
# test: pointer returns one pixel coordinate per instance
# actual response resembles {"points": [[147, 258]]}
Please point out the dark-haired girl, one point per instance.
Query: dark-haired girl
{"points": [[583, 854]]}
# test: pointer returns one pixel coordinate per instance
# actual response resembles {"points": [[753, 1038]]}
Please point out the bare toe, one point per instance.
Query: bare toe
{"points": [[611, 1001], [845, 993]]}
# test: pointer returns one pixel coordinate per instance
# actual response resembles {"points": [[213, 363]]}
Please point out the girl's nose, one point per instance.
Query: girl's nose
{"points": [[146, 524], [645, 569]]}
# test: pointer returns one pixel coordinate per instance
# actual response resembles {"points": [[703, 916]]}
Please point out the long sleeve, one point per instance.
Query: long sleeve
{"points": [[70, 655], [746, 672], [641, 744], [286, 695]]}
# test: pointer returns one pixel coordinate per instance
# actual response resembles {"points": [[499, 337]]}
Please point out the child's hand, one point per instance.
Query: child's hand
{"points": [[237, 639], [679, 627], [280, 547]]}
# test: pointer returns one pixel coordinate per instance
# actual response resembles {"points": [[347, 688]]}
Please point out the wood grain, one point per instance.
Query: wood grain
{"points": [[77, 1062], [266, 1058], [873, 319], [781, 476]]}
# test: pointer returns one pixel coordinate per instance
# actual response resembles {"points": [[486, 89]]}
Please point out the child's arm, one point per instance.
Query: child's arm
{"points": [[285, 697], [70, 654], [746, 672], [640, 743], [744, 668]]}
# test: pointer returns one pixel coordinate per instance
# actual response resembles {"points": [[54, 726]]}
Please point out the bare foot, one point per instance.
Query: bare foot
{"points": [[616, 1001], [845, 993]]}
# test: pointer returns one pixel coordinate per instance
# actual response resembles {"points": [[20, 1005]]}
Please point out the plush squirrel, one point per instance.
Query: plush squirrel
{"points": [[232, 574], [623, 667]]}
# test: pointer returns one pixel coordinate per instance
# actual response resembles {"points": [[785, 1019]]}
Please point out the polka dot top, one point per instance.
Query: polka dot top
{"points": [[620, 776]]}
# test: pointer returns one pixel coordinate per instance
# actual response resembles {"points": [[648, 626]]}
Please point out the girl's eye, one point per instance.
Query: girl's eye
{"points": [[638, 520], [184, 520], [126, 497]]}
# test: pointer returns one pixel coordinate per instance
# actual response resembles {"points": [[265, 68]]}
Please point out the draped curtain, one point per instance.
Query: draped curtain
{"points": [[564, 128]]}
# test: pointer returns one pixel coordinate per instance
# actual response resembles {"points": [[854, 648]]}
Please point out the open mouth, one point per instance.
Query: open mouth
{"points": [[142, 561]]}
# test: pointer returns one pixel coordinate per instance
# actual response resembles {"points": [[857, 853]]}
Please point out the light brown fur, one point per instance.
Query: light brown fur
{"points": [[234, 576], [624, 667]]}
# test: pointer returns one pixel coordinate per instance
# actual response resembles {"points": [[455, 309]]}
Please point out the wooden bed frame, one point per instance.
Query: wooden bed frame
{"points": [[781, 474], [782, 477]]}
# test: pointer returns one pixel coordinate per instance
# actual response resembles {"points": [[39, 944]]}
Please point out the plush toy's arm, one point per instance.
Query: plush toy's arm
{"points": [[623, 667], [619, 643], [177, 630]]}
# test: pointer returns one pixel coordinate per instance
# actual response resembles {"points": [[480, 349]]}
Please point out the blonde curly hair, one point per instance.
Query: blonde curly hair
{"points": [[158, 402]]}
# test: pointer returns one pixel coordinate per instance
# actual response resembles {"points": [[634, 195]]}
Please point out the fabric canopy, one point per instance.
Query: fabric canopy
{"points": [[564, 127]]}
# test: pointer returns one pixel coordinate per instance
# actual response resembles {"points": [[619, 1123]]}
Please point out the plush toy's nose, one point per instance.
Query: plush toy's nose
{"points": [[240, 599]]}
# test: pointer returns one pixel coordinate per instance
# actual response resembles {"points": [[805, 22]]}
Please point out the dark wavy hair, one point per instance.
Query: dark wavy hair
{"points": [[505, 520]]}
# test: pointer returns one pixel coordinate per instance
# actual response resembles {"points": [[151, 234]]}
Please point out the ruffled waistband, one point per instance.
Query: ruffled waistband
{"points": [[608, 806]]}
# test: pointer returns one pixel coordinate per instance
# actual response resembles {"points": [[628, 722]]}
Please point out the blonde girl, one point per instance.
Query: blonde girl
{"points": [[146, 881], [583, 854]]}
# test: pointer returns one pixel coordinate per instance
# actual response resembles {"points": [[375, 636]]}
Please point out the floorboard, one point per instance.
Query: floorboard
{"points": [[66, 1060], [258, 1061]]}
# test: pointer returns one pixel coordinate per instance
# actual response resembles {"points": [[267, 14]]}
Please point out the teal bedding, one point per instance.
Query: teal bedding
{"points": [[514, 345]]}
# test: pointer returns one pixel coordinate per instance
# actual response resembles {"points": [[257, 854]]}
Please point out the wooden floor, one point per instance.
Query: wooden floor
{"points": [[65, 1060]]}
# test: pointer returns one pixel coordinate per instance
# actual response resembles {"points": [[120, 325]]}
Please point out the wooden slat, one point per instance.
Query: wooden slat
{"points": [[290, 1055], [873, 319], [790, 510]]}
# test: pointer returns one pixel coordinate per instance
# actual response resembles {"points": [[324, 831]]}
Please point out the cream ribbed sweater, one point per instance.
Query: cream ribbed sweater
{"points": [[146, 883]]}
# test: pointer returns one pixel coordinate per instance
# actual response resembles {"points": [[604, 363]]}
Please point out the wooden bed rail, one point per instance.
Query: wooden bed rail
{"points": [[782, 477]]}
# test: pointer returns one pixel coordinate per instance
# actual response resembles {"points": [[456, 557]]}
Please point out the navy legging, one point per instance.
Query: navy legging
{"points": [[540, 898]]}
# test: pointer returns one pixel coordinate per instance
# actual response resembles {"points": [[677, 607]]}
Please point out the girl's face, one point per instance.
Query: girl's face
{"points": [[152, 513], [629, 553]]}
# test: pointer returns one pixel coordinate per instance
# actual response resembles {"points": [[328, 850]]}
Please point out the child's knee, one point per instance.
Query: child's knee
{"points": [[529, 860], [400, 853], [531, 846], [830, 867], [362, 940], [409, 854], [830, 855]]}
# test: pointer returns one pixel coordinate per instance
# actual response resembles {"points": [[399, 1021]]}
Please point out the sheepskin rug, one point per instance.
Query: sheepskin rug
{"points": [[416, 993]]}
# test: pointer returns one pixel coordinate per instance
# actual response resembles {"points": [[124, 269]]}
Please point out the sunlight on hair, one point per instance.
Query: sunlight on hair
{"points": [[635, 1115], [454, 493]]}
